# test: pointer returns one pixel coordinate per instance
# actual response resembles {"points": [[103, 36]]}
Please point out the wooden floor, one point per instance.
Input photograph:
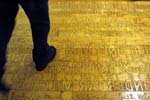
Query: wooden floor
{"points": [[103, 53]]}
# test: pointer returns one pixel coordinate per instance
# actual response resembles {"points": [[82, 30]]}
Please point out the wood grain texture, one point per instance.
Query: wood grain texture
{"points": [[103, 53]]}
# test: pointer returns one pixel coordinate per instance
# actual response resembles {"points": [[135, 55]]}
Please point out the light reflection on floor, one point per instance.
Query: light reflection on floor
{"points": [[103, 53], [134, 96]]}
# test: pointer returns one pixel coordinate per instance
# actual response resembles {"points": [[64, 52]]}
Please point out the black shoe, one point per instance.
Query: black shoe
{"points": [[3, 88], [41, 59]]}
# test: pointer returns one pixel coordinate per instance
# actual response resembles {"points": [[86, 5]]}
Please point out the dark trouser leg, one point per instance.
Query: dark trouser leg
{"points": [[8, 13], [37, 12]]}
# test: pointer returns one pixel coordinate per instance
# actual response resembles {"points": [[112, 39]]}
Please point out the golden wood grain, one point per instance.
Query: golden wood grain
{"points": [[103, 53]]}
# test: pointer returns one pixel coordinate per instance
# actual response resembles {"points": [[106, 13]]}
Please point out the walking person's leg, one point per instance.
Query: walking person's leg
{"points": [[37, 12], [8, 13]]}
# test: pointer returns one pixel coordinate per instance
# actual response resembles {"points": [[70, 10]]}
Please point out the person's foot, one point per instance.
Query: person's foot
{"points": [[41, 59], [3, 88]]}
